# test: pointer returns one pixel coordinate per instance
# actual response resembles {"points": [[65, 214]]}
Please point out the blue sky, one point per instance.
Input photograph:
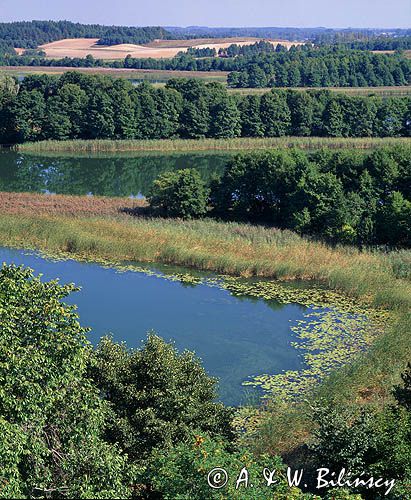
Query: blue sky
{"points": [[304, 13]]}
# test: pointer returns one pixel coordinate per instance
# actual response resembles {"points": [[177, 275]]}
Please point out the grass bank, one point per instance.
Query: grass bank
{"points": [[228, 248], [241, 143]]}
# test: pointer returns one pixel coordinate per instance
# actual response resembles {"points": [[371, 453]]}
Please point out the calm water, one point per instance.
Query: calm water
{"points": [[117, 174], [235, 337]]}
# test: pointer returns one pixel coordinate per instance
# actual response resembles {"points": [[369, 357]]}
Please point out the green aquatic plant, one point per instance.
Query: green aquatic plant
{"points": [[328, 339]]}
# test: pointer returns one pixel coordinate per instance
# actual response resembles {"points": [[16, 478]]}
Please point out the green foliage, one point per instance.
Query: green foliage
{"points": [[181, 472], [347, 196], [365, 439], [51, 416], [179, 194], [251, 122], [157, 396], [225, 119], [394, 221], [403, 393], [344, 437], [195, 120], [27, 112], [99, 107], [275, 115], [8, 88], [308, 66]]}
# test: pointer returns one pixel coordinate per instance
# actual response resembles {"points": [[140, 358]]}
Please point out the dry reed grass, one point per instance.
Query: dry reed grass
{"points": [[34, 203]]}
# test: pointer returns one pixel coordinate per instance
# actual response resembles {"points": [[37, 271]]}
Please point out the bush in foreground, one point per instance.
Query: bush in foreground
{"points": [[157, 396]]}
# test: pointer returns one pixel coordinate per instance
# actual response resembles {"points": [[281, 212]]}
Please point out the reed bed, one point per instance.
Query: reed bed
{"points": [[238, 144], [229, 248], [24, 203]]}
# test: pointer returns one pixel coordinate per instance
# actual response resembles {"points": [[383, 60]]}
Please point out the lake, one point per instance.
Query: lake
{"points": [[105, 174], [236, 337]]}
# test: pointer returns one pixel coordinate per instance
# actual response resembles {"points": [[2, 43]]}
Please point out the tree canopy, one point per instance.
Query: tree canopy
{"points": [[78, 106]]}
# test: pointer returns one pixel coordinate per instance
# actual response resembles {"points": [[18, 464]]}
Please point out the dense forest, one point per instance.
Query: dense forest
{"points": [[346, 196], [76, 106], [31, 34], [325, 67]]}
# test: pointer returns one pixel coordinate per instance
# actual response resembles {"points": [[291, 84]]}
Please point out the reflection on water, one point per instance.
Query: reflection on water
{"points": [[236, 337], [124, 174]]}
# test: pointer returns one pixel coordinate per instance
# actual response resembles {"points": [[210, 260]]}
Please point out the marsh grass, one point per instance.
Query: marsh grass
{"points": [[241, 143], [229, 248]]}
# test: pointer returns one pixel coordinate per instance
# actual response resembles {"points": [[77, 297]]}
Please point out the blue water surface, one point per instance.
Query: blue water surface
{"points": [[235, 337]]}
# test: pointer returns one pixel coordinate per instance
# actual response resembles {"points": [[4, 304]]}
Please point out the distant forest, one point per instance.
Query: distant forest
{"points": [[316, 35], [321, 67], [31, 34]]}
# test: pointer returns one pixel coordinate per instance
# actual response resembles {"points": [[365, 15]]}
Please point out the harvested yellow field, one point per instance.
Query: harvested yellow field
{"points": [[81, 47], [407, 53]]}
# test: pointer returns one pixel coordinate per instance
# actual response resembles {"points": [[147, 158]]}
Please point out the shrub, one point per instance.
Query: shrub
{"points": [[182, 472], [179, 194], [365, 440], [158, 396], [51, 418]]}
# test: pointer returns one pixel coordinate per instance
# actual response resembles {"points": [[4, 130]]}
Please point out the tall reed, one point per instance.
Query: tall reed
{"points": [[241, 143]]}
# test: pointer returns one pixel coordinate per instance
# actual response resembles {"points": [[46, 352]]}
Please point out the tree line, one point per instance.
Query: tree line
{"points": [[381, 43], [346, 196], [317, 35], [77, 106], [305, 66], [349, 35]]}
